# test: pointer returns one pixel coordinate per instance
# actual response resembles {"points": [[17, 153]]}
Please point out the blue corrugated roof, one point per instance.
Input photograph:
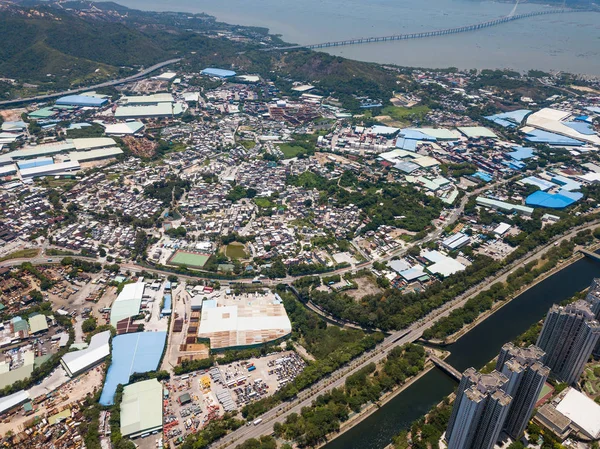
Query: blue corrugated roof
{"points": [[406, 144], [566, 183], [552, 201], [39, 162], [509, 119], [413, 134], [219, 73], [582, 128], [515, 165], [483, 176], [131, 353], [539, 136], [166, 305], [521, 153], [81, 100]]}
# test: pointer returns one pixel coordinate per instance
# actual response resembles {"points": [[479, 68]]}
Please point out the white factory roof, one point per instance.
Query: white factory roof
{"points": [[142, 408], [50, 169], [127, 303], [149, 99], [399, 265], [590, 177], [124, 128], [440, 133], [95, 154], [41, 150], [378, 129], [78, 361], [8, 402], [191, 96], [226, 319], [7, 169], [94, 142], [444, 265], [167, 76], [502, 228], [551, 120], [160, 109], [583, 411], [477, 132]]}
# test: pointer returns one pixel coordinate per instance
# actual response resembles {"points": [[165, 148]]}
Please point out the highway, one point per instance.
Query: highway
{"points": [[135, 77]]}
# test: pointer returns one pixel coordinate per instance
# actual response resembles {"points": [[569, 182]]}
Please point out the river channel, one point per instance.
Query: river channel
{"points": [[475, 348]]}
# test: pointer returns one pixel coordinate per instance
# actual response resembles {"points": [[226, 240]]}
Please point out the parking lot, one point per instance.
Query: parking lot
{"points": [[196, 398], [256, 378]]}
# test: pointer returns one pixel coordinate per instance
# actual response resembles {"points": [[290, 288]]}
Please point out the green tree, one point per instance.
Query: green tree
{"points": [[89, 325]]}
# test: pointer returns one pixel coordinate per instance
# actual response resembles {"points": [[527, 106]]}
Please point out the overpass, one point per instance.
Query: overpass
{"points": [[421, 35], [128, 79], [589, 254], [446, 367]]}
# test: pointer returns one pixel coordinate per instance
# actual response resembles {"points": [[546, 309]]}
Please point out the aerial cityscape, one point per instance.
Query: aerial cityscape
{"points": [[222, 228]]}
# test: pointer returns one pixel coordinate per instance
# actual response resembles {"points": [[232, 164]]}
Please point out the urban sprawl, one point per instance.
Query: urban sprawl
{"points": [[209, 258]]}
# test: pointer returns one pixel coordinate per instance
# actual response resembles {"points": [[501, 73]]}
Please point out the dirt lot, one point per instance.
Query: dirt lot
{"points": [[366, 286], [182, 418], [72, 391]]}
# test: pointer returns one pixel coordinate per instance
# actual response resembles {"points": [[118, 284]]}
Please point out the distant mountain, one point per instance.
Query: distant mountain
{"points": [[42, 44], [59, 44]]}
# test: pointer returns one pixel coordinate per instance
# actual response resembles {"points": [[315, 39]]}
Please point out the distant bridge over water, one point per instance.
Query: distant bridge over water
{"points": [[400, 37]]}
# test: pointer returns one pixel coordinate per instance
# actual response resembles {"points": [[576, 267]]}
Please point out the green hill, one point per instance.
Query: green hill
{"points": [[46, 45]]}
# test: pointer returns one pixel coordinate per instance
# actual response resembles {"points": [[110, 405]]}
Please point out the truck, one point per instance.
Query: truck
{"points": [[257, 422]]}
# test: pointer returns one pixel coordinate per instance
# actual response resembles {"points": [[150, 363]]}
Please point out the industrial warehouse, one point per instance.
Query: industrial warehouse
{"points": [[244, 320], [141, 408]]}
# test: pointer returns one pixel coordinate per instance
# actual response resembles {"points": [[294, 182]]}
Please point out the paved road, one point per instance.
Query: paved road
{"points": [[137, 76], [409, 335]]}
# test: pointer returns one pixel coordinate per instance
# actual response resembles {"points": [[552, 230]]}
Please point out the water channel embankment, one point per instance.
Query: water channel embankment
{"points": [[475, 348]]}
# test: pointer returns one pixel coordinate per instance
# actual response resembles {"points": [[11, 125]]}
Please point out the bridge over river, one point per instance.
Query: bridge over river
{"points": [[463, 29]]}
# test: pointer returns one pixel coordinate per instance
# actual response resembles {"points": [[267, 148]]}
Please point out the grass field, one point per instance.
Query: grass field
{"points": [[290, 151], [235, 251], [192, 260], [404, 114], [21, 254], [263, 202], [247, 144]]}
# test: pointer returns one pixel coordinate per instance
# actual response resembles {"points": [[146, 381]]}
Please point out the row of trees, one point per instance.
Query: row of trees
{"points": [[331, 346], [484, 301], [394, 310], [313, 424]]}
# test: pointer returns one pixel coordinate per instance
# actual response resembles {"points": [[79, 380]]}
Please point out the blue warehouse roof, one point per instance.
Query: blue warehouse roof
{"points": [[219, 73], [81, 100], [553, 201]]}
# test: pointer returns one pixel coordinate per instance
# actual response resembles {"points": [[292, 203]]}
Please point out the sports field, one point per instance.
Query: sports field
{"points": [[235, 251], [193, 260]]}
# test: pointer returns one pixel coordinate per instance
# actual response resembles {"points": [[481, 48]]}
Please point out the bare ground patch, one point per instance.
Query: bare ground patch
{"points": [[366, 286]]}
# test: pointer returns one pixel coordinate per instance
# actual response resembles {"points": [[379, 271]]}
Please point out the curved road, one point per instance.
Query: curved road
{"points": [[135, 77], [409, 335]]}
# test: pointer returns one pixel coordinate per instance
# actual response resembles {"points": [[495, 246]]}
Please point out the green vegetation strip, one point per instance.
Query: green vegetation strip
{"points": [[21, 254]]}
